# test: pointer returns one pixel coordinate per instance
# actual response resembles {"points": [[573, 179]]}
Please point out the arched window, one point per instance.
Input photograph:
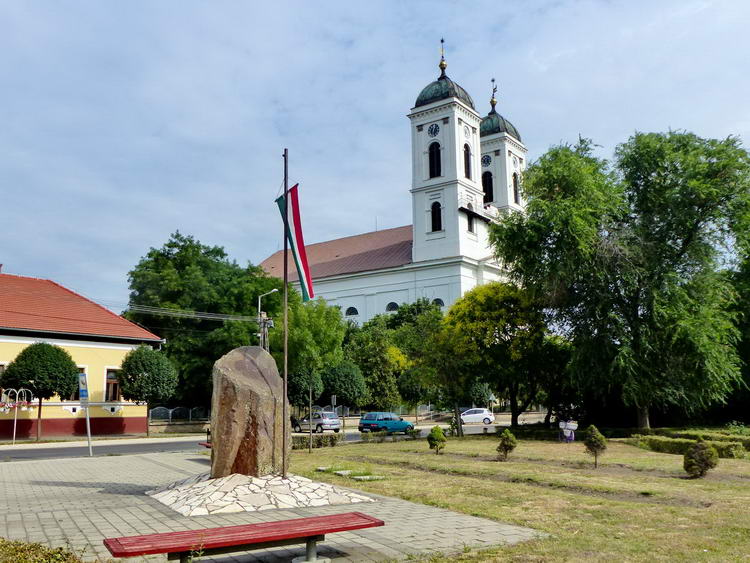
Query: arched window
{"points": [[439, 302], [467, 161], [487, 187], [352, 312], [470, 218], [434, 153], [516, 192], [436, 215], [392, 307]]}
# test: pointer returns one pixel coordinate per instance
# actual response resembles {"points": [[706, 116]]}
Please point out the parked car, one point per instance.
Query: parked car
{"points": [[388, 421], [484, 416], [321, 421]]}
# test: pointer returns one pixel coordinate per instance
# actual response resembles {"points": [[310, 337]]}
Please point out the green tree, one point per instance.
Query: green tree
{"points": [[185, 274], [506, 445], [499, 331], [316, 334], [147, 376], [436, 439], [345, 380], [371, 349], [595, 443], [626, 255], [46, 370], [699, 459]]}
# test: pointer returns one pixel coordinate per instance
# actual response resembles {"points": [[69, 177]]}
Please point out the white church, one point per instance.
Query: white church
{"points": [[466, 172]]}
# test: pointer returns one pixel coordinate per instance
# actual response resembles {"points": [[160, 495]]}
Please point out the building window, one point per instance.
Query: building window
{"points": [[467, 161], [470, 218], [516, 192], [436, 217], [76, 394], [112, 390], [392, 307], [434, 153], [487, 187], [439, 302], [352, 312]]}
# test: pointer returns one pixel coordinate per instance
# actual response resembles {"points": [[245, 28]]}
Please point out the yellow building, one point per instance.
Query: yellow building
{"points": [[36, 310]]}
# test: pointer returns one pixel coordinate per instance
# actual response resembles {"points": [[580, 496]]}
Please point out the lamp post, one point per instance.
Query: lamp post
{"points": [[263, 322]]}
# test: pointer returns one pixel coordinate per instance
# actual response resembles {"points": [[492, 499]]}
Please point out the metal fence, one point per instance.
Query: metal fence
{"points": [[182, 414]]}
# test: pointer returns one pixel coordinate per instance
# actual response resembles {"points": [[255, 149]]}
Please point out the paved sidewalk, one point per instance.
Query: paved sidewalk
{"points": [[79, 502]]}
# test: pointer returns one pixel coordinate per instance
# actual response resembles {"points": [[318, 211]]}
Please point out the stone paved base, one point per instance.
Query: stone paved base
{"points": [[79, 502]]}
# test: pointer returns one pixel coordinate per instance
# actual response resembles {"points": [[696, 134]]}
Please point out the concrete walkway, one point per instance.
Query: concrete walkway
{"points": [[79, 502]]}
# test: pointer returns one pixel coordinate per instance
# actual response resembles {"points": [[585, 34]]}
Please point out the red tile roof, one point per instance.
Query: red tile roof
{"points": [[388, 248], [44, 306]]}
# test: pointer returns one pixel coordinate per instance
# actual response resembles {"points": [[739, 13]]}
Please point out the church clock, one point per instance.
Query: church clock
{"points": [[433, 130]]}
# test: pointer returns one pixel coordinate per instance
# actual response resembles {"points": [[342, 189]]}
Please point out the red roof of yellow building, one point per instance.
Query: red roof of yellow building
{"points": [[38, 305]]}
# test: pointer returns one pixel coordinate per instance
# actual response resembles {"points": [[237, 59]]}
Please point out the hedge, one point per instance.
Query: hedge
{"points": [[679, 446], [709, 435], [318, 441]]}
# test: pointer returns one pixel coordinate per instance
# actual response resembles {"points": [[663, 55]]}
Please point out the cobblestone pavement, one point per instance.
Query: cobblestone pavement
{"points": [[79, 502]]}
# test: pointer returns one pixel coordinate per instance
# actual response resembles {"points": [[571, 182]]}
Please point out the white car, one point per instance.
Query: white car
{"points": [[484, 416], [321, 420]]}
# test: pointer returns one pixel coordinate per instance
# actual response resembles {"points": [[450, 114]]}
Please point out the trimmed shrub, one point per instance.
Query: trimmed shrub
{"points": [[436, 439], [413, 433], [507, 444], [379, 436], [713, 436], [595, 443], [680, 446], [700, 458], [318, 441]]}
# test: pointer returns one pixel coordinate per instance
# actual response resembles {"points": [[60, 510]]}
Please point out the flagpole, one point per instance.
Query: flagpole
{"points": [[286, 315]]}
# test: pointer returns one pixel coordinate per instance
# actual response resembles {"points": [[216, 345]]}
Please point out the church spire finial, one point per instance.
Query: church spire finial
{"points": [[493, 101], [442, 64]]}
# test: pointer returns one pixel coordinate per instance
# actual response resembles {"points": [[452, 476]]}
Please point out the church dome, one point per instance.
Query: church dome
{"points": [[496, 123], [442, 89]]}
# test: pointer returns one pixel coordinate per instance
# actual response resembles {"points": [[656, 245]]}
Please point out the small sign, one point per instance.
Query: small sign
{"points": [[83, 389], [333, 400]]}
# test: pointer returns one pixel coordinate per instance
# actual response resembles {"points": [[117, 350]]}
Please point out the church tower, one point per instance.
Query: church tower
{"points": [[503, 160], [446, 173]]}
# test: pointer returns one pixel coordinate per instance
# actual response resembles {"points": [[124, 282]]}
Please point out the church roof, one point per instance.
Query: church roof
{"points": [[442, 89], [496, 123], [388, 248]]}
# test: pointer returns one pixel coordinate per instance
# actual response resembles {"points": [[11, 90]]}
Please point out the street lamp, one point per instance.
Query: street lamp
{"points": [[263, 322]]}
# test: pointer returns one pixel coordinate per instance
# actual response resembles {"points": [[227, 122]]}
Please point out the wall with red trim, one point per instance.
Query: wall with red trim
{"points": [[56, 427]]}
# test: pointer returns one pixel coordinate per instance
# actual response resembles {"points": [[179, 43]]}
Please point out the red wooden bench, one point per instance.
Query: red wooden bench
{"points": [[205, 444], [211, 541]]}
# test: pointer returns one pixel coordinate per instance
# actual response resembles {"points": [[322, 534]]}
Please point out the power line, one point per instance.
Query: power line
{"points": [[148, 310]]}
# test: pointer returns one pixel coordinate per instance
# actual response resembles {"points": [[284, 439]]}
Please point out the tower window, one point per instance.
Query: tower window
{"points": [[470, 219], [436, 216], [487, 187], [392, 307], [516, 192], [467, 161], [352, 312], [434, 154]]}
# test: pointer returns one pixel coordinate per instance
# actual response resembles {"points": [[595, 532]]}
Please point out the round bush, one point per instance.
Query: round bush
{"points": [[699, 458]]}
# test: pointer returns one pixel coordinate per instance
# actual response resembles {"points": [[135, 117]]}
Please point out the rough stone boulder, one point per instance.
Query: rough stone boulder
{"points": [[247, 414]]}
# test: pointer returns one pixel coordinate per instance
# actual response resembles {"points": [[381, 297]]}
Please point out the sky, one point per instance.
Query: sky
{"points": [[122, 122]]}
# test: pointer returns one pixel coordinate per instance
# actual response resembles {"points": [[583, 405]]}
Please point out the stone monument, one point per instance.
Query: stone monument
{"points": [[247, 418]]}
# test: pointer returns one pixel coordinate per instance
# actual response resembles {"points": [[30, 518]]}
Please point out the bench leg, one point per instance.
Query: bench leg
{"points": [[311, 552]]}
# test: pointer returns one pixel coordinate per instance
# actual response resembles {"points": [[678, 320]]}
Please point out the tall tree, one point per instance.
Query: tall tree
{"points": [[345, 380], [46, 370], [626, 255], [147, 376], [185, 274], [316, 334], [500, 330]]}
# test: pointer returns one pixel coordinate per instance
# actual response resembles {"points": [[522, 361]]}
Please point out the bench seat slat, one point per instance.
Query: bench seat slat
{"points": [[244, 534]]}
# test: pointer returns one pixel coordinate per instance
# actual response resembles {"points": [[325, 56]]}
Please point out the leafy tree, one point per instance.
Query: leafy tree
{"points": [[436, 439], [316, 333], [626, 255], [499, 330], [46, 370], [480, 393], [410, 313], [185, 274], [507, 444], [148, 376], [700, 458], [345, 380], [370, 348], [595, 443]]}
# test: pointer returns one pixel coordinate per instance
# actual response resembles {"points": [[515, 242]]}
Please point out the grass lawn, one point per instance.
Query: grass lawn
{"points": [[638, 506]]}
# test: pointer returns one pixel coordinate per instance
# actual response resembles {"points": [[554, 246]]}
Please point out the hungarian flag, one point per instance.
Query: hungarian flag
{"points": [[296, 241]]}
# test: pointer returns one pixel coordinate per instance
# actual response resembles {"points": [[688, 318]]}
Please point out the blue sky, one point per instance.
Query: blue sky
{"points": [[125, 121]]}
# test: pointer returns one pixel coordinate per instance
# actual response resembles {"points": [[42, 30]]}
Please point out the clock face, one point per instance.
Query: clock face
{"points": [[486, 160], [515, 162], [433, 130], [467, 131]]}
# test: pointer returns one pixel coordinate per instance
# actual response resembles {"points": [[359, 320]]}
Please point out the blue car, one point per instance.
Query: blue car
{"points": [[388, 421]]}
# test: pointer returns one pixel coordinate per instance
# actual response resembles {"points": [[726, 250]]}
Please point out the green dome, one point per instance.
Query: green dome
{"points": [[496, 123], [442, 89]]}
